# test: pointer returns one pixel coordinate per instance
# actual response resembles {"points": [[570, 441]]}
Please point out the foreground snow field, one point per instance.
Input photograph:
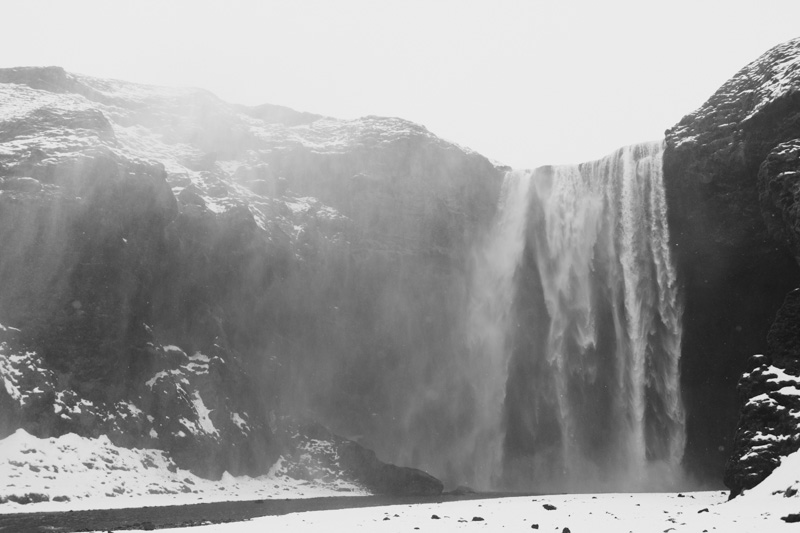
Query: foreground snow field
{"points": [[758, 510], [601, 513], [77, 473]]}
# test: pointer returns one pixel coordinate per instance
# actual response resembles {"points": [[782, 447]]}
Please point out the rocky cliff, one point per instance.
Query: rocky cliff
{"points": [[196, 276], [180, 272], [731, 173]]}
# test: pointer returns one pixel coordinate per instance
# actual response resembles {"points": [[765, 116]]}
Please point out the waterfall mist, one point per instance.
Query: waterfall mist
{"points": [[574, 328], [490, 318]]}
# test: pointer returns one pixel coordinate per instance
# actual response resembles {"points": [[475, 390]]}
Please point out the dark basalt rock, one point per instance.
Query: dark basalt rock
{"points": [[382, 478], [314, 453], [779, 194], [791, 518], [92, 249], [768, 427], [735, 267]]}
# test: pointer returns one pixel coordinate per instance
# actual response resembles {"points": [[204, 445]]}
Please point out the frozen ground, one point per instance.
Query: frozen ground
{"points": [[94, 474], [602, 513], [75, 473], [758, 511]]}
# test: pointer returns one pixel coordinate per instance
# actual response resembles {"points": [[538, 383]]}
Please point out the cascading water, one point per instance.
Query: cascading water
{"points": [[490, 317], [575, 328]]}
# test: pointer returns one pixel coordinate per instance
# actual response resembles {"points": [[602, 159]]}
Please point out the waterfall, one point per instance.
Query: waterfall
{"points": [[489, 320], [575, 328]]}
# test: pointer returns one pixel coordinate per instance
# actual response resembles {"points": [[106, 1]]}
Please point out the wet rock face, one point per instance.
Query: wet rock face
{"points": [[779, 192], [730, 213], [179, 268], [88, 257]]}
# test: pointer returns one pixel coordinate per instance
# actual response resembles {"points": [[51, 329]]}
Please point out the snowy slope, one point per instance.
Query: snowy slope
{"points": [[72, 472]]}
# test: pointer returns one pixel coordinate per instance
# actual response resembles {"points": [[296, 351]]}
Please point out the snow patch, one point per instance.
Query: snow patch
{"points": [[22, 373], [206, 425], [786, 475], [239, 421]]}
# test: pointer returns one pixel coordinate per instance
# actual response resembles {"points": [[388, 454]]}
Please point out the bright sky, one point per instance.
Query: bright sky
{"points": [[524, 82]]}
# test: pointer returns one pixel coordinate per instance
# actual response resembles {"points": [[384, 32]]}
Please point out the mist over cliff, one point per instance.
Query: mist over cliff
{"points": [[216, 281]]}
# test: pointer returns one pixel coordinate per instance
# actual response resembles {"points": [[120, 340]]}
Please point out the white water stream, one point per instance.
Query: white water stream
{"points": [[608, 371]]}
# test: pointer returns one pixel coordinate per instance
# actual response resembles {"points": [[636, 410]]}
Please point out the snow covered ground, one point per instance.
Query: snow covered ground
{"points": [[78, 473], [601, 513], [73, 473], [759, 510]]}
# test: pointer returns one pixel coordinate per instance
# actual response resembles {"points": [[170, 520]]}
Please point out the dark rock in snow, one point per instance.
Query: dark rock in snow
{"points": [[382, 478], [791, 518]]}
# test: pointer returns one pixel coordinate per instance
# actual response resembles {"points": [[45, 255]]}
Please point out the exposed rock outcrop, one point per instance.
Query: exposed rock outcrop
{"points": [[768, 428], [734, 266], [316, 453]]}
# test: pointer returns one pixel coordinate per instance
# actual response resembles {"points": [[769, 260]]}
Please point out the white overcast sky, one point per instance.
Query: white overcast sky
{"points": [[524, 82]]}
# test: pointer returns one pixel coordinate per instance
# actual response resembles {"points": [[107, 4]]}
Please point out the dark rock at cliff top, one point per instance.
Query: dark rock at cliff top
{"points": [[730, 222], [178, 270]]}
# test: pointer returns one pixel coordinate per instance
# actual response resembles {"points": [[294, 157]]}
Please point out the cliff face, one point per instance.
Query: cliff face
{"points": [[182, 273], [729, 169], [177, 270]]}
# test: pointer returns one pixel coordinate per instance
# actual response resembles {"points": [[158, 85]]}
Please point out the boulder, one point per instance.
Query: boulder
{"points": [[315, 453]]}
